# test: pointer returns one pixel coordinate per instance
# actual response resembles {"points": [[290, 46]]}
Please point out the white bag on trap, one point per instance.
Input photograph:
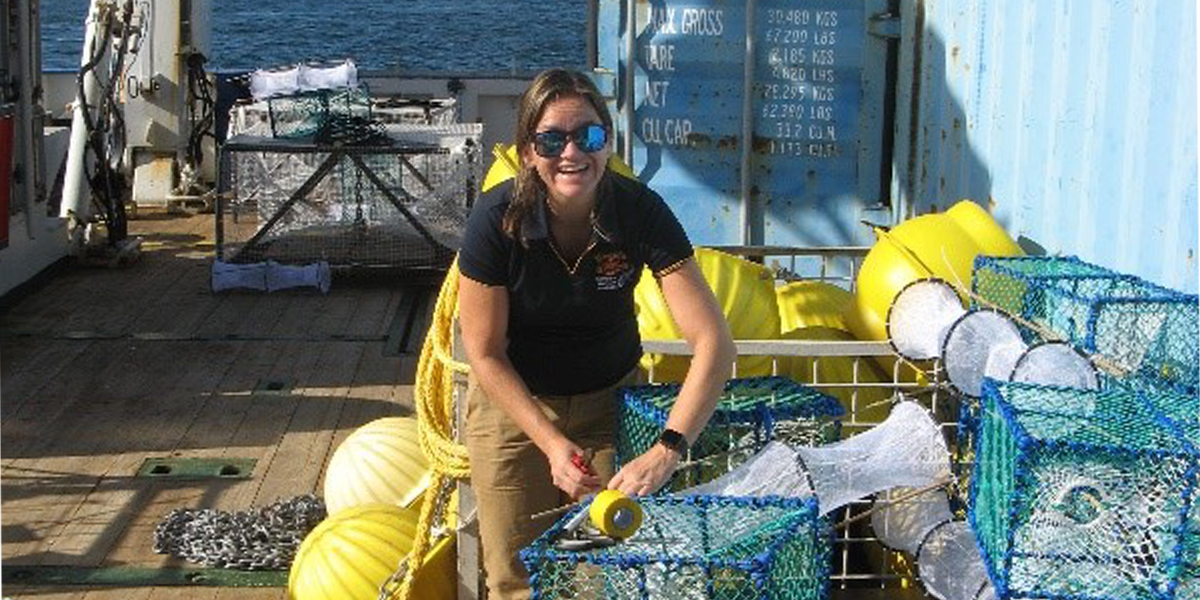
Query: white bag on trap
{"points": [[906, 449], [948, 559], [903, 526]]}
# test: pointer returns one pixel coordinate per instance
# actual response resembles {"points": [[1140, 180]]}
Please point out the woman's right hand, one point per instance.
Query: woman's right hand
{"points": [[567, 472]]}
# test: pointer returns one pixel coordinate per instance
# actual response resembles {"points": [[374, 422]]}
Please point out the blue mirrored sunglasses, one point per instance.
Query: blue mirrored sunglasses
{"points": [[589, 138]]}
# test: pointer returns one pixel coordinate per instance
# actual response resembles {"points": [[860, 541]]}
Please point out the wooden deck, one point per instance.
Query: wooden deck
{"points": [[105, 367]]}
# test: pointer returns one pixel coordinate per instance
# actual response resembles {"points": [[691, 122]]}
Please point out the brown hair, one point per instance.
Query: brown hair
{"points": [[547, 87]]}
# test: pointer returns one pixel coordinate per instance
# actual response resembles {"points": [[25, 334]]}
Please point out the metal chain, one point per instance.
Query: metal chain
{"points": [[360, 223], [252, 540], [390, 588]]}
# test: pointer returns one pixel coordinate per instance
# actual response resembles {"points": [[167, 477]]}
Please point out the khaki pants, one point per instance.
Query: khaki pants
{"points": [[511, 477]]}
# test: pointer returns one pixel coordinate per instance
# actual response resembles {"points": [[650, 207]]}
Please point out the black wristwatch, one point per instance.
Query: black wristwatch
{"points": [[674, 440]]}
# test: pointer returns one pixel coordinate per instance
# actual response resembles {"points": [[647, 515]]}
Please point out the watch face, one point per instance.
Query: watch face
{"points": [[673, 440]]}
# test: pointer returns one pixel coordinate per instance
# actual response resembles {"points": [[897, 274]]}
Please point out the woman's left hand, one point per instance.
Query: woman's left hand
{"points": [[647, 472]]}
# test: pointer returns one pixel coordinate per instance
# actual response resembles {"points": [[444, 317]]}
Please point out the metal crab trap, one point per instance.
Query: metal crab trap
{"points": [[1137, 328], [1085, 494], [401, 204], [701, 548], [751, 412], [864, 378]]}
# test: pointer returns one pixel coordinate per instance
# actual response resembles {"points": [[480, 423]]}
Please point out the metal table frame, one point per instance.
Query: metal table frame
{"points": [[335, 153]]}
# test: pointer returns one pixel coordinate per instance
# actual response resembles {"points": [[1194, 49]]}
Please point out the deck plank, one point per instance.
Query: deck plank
{"points": [[29, 365], [105, 367], [158, 404], [296, 466]]}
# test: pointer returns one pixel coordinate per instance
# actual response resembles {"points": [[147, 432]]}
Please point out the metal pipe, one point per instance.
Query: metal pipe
{"points": [[592, 28], [27, 137], [76, 204], [750, 234], [630, 66]]}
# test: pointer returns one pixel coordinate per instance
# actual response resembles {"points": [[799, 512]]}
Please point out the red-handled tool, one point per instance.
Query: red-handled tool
{"points": [[582, 464]]}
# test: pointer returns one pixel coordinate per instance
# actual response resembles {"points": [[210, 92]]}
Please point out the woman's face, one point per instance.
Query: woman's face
{"points": [[571, 177]]}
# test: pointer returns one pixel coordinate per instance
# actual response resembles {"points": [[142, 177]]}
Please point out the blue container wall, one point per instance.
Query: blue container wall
{"points": [[1074, 121], [759, 121]]}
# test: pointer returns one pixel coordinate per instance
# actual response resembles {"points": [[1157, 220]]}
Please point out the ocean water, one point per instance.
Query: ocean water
{"points": [[439, 35]]}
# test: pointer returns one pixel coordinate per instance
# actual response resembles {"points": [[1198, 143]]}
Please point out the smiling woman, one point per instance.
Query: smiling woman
{"points": [[549, 265]]}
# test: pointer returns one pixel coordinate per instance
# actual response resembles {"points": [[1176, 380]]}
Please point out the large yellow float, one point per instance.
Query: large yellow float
{"points": [[942, 245], [744, 290], [380, 462], [815, 311], [350, 554]]}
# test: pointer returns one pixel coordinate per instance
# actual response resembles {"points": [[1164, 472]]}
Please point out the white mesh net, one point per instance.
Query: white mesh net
{"points": [[1057, 364], [903, 526], [982, 343], [920, 316], [907, 449], [772, 471], [949, 563]]}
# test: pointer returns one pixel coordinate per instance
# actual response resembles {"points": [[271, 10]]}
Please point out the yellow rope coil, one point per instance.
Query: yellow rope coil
{"points": [[433, 394]]}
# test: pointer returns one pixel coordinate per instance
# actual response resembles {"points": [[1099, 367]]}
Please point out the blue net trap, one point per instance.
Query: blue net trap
{"points": [[751, 412], [1139, 328], [1080, 494], [694, 548]]}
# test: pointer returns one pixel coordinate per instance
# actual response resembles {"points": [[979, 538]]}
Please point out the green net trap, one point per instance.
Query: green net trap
{"points": [[1141, 329], [751, 412], [328, 113], [1083, 495], [694, 548]]}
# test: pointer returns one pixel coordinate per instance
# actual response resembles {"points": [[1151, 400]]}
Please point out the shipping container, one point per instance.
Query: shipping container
{"points": [[785, 122]]}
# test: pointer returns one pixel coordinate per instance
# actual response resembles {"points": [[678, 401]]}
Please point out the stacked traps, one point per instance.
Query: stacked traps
{"points": [[750, 413], [927, 321], [702, 547], [1084, 494], [1138, 328]]}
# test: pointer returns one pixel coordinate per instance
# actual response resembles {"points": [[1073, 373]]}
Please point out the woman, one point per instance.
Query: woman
{"points": [[548, 266]]}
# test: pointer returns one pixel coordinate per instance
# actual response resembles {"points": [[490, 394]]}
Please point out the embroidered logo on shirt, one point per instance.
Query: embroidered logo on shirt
{"points": [[612, 271]]}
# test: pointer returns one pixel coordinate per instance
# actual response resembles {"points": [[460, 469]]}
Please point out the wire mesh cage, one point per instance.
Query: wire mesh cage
{"points": [[751, 412], [307, 114], [398, 205], [1135, 326], [698, 547], [1081, 494], [255, 118]]}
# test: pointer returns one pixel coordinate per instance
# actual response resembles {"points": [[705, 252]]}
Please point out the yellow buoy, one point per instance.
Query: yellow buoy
{"points": [[862, 390], [811, 304], [507, 162], [350, 554], [942, 245], [380, 462], [745, 292]]}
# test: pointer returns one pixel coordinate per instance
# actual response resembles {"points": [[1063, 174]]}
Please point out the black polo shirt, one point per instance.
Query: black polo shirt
{"points": [[572, 333]]}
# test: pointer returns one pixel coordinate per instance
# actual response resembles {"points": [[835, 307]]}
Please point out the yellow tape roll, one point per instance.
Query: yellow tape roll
{"points": [[615, 514]]}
